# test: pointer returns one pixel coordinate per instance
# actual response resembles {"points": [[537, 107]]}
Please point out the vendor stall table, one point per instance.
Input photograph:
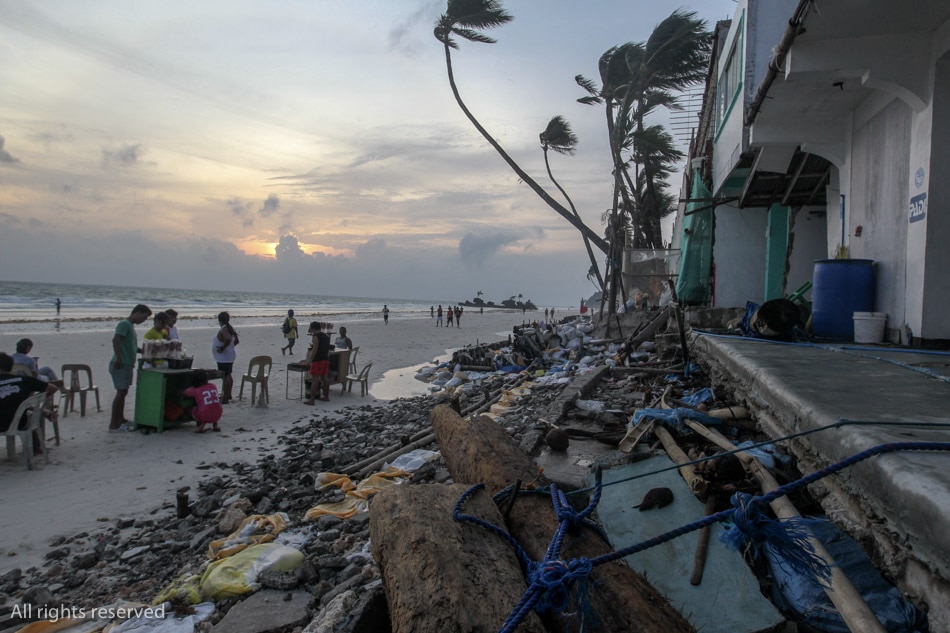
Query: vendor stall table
{"points": [[339, 364]]}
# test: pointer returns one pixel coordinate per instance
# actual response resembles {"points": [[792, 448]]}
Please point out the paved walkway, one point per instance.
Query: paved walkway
{"points": [[896, 504]]}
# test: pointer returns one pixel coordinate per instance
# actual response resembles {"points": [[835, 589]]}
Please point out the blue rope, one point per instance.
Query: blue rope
{"points": [[557, 585]]}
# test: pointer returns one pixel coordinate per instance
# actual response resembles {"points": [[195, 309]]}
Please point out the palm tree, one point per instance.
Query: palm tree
{"points": [[559, 137], [466, 19], [636, 79], [675, 56]]}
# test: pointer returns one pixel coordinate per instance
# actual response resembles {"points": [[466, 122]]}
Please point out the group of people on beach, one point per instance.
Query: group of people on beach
{"points": [[20, 378], [451, 314], [318, 354], [207, 408]]}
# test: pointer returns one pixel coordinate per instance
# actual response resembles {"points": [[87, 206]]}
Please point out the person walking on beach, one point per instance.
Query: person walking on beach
{"points": [[207, 409], [222, 348], [458, 316], [289, 328], [438, 316], [319, 360], [449, 316], [124, 348], [385, 314], [59, 304], [431, 312]]}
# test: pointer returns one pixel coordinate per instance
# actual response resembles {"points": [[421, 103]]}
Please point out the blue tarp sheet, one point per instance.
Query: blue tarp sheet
{"points": [[809, 603]]}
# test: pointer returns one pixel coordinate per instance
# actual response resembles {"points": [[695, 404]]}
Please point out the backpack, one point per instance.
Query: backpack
{"points": [[285, 328]]}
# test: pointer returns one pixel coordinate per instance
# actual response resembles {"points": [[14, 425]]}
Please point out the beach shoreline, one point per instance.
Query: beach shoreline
{"points": [[96, 477]]}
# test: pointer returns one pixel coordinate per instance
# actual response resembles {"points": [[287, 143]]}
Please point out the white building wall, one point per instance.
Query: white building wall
{"points": [[936, 183], [740, 270], [879, 175], [808, 244]]}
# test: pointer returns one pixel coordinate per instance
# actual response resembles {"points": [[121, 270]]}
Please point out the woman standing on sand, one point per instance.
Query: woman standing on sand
{"points": [[222, 348]]}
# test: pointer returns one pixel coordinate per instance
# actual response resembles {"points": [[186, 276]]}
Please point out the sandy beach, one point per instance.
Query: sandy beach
{"points": [[96, 476]]}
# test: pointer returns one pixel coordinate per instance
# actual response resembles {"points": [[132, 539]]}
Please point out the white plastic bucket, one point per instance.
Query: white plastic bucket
{"points": [[869, 327]]}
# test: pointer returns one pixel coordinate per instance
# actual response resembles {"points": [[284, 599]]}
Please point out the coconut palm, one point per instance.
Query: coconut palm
{"points": [[559, 137], [637, 79], [675, 57], [467, 19]]}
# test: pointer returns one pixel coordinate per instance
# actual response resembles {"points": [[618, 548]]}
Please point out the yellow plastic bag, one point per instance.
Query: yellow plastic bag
{"points": [[185, 587], [254, 530], [357, 499], [237, 575]]}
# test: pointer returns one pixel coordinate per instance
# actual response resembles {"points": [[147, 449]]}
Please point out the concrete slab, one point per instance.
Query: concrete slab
{"points": [[728, 599], [265, 611], [894, 504]]}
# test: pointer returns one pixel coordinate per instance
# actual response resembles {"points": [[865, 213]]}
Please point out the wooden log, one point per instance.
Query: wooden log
{"points": [[480, 451], [440, 574]]}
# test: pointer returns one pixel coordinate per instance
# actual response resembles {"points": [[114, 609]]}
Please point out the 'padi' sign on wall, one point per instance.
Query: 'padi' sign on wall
{"points": [[918, 207]]}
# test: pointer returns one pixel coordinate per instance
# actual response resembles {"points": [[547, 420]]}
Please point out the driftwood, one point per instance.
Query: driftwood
{"points": [[855, 612], [441, 574], [480, 451]]}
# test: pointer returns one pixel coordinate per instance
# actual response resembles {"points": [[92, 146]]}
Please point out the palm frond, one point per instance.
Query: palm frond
{"points": [[588, 85], [473, 36], [559, 137]]}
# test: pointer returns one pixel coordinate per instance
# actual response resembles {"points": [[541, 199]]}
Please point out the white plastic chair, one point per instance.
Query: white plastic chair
{"points": [[353, 352], [258, 373], [362, 378], [72, 381], [32, 408]]}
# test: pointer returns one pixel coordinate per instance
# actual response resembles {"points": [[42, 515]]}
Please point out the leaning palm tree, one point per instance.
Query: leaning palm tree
{"points": [[636, 79], [466, 19], [675, 56], [559, 137]]}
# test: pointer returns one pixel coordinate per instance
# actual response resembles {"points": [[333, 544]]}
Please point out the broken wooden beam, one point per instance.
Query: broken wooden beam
{"points": [[441, 574], [480, 451]]}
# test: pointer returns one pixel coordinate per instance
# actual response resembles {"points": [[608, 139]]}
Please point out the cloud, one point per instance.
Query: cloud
{"points": [[5, 156], [126, 156], [476, 249], [372, 249], [270, 206], [239, 207], [404, 36], [288, 249]]}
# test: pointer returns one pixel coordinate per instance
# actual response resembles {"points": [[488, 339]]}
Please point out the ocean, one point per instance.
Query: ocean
{"points": [[27, 307]]}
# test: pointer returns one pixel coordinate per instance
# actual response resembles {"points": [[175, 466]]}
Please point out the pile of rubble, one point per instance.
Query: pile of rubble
{"points": [[539, 381]]}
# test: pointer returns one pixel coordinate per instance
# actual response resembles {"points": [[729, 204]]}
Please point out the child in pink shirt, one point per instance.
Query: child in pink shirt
{"points": [[207, 409]]}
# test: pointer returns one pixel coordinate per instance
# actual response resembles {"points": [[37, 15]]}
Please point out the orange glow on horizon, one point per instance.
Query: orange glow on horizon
{"points": [[259, 248]]}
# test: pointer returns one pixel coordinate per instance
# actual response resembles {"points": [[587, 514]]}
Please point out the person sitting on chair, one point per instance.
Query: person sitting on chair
{"points": [[343, 341], [14, 390], [22, 357]]}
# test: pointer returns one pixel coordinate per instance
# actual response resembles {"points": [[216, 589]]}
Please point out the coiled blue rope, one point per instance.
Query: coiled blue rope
{"points": [[551, 581]]}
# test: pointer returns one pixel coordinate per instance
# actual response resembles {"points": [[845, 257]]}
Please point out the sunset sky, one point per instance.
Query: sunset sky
{"points": [[300, 146]]}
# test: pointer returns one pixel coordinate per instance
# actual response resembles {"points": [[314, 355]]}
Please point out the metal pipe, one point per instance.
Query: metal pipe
{"points": [[795, 26]]}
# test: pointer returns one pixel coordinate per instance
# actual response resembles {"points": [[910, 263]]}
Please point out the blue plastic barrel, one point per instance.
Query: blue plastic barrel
{"points": [[840, 287]]}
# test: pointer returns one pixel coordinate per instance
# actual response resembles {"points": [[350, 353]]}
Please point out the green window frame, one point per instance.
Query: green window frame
{"points": [[729, 86]]}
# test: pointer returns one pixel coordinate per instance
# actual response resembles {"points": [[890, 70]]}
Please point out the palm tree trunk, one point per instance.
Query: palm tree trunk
{"points": [[528, 180]]}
